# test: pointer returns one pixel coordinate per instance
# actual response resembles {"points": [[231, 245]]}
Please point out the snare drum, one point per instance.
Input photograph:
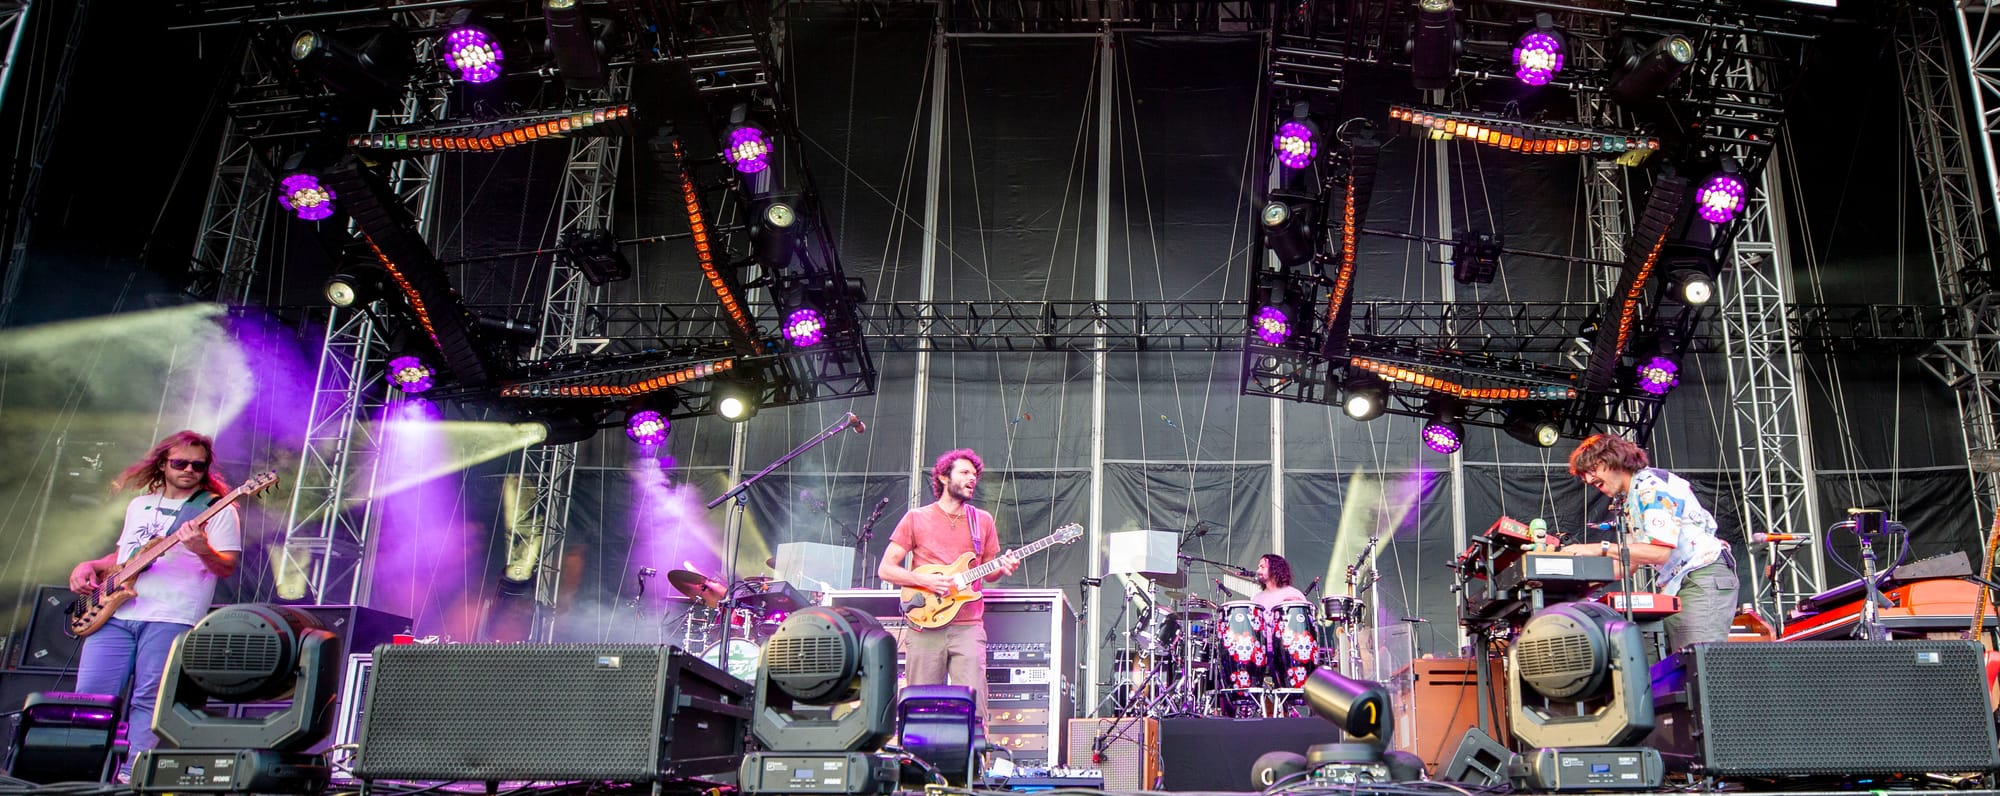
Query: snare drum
{"points": [[1294, 643], [1243, 658]]}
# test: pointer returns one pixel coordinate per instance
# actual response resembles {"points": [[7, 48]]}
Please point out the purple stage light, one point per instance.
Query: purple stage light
{"points": [[1538, 57], [1658, 375], [473, 54], [1441, 437], [1721, 197], [747, 149], [1272, 326], [1294, 145], [805, 327], [410, 375], [304, 196], [648, 428]]}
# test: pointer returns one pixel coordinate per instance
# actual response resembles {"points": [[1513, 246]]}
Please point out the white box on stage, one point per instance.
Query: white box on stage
{"points": [[811, 566], [1149, 553]]}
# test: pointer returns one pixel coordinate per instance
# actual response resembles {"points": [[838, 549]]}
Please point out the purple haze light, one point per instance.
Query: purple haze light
{"points": [[1272, 326], [1294, 145], [1538, 57], [648, 428], [305, 197], [1441, 437], [747, 149], [1721, 197], [805, 327], [410, 374], [1658, 375], [473, 54]]}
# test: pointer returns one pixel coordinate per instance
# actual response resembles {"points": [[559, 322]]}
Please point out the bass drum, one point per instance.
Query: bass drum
{"points": [[743, 659]]}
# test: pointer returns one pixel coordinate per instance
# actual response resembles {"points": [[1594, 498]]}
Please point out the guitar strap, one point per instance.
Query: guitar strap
{"points": [[190, 509], [972, 528]]}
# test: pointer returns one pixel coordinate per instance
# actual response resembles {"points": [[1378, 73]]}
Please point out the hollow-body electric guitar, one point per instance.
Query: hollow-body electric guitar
{"points": [[90, 610], [930, 610]]}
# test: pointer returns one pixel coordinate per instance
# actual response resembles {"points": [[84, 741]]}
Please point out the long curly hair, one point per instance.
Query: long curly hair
{"points": [[149, 473], [1281, 570], [1605, 450], [941, 472]]}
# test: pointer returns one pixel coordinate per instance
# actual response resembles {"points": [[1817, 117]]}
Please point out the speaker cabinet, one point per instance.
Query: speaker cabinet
{"points": [[1824, 708], [1130, 748], [1220, 754], [47, 646], [603, 712]]}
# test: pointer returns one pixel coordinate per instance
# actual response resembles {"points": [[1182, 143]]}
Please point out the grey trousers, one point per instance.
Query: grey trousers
{"points": [[956, 650], [1708, 605]]}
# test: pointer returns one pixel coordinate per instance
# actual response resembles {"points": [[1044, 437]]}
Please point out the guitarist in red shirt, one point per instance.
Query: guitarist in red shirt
{"points": [[177, 478], [940, 533]]}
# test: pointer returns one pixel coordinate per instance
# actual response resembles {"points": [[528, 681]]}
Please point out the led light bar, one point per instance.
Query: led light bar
{"points": [[617, 384], [704, 251], [1515, 135], [494, 136], [1390, 371]]}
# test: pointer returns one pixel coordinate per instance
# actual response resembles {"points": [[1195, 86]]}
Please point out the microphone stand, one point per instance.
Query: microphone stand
{"points": [[736, 497], [861, 539]]}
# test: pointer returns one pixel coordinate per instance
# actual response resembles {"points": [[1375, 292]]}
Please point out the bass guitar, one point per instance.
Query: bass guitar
{"points": [[90, 610], [930, 610]]}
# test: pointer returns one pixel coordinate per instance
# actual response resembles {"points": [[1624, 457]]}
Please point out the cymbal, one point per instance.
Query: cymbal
{"points": [[706, 590]]}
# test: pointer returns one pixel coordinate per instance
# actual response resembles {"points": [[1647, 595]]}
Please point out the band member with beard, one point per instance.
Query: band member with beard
{"points": [[1274, 577], [938, 533], [178, 478]]}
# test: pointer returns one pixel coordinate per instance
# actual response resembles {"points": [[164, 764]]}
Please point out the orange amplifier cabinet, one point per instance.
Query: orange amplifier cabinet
{"points": [[1130, 750]]}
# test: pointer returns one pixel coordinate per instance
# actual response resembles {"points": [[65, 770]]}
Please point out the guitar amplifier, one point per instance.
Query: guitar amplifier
{"points": [[1127, 751], [47, 645]]}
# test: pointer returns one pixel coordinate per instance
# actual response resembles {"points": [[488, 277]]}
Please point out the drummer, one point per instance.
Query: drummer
{"points": [[1274, 577]]}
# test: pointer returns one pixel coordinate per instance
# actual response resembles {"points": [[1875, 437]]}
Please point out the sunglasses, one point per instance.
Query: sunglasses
{"points": [[197, 465]]}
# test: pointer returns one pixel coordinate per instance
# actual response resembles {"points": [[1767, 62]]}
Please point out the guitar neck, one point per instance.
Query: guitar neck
{"points": [[993, 566]]}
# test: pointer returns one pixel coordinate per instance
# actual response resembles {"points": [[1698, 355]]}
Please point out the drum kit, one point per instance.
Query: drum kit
{"points": [[714, 617], [1236, 659]]}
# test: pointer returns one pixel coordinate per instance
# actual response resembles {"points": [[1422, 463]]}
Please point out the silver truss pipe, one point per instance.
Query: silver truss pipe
{"points": [[547, 473]]}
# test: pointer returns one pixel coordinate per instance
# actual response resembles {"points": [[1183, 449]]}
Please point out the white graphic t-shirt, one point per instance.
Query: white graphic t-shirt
{"points": [[178, 587]]}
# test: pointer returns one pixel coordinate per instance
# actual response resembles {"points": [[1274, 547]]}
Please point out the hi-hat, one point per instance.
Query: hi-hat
{"points": [[700, 587]]}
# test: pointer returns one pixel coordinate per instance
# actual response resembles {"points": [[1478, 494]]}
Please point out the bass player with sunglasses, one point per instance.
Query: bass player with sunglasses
{"points": [[177, 480]]}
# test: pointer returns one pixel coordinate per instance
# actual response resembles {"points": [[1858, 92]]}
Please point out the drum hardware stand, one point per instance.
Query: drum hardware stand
{"points": [[1351, 630], [737, 495], [1866, 525]]}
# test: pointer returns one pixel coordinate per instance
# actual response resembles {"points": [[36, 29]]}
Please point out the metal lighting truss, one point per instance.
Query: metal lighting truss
{"points": [[1774, 456], [1488, 327], [239, 202], [547, 472], [328, 533], [1958, 211]]}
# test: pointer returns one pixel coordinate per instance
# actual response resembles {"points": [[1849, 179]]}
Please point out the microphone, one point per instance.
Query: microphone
{"points": [[855, 423], [1090, 582], [1608, 525], [1315, 585], [647, 572], [1243, 573], [1768, 538]]}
